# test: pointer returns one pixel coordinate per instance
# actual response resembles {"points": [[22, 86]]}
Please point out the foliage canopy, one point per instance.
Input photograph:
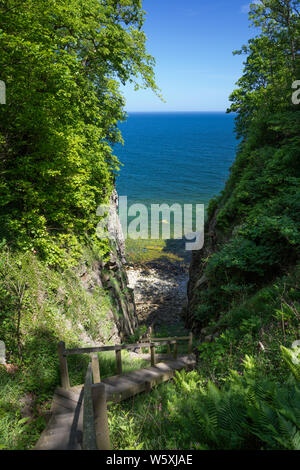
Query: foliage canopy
{"points": [[62, 63]]}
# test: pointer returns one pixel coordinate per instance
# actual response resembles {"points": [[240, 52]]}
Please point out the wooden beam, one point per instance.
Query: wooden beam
{"points": [[89, 433], [152, 353], [174, 338], [150, 332], [95, 349], [119, 361], [95, 368], [190, 343], [175, 351], [63, 366], [101, 417]]}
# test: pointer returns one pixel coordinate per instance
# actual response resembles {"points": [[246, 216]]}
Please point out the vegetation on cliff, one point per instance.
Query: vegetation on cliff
{"points": [[253, 228], [244, 297], [62, 63]]}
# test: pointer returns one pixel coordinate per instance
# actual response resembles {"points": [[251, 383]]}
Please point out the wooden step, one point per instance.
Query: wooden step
{"points": [[119, 388], [64, 429]]}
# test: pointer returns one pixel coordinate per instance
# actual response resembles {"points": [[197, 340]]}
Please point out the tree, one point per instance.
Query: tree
{"points": [[62, 63], [272, 64]]}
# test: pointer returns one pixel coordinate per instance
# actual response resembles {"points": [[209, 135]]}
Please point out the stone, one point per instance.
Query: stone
{"points": [[2, 353]]}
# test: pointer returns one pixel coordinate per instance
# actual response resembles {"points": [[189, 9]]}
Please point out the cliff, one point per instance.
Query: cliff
{"points": [[248, 270]]}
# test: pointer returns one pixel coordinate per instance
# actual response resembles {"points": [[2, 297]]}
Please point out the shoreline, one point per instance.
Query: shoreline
{"points": [[159, 283]]}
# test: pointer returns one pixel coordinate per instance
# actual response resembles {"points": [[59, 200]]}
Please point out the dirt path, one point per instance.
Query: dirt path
{"points": [[160, 292]]}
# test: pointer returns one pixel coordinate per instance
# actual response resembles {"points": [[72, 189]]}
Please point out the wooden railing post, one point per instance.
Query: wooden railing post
{"points": [[89, 434], [101, 418], [95, 368], [152, 352], [63, 366], [169, 349], [191, 343], [119, 361], [175, 350]]}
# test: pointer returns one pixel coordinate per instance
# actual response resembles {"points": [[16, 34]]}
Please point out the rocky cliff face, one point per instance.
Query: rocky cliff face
{"points": [[197, 277], [112, 277]]}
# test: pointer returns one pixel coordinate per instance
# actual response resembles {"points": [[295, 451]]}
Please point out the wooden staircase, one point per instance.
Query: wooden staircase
{"points": [[75, 410]]}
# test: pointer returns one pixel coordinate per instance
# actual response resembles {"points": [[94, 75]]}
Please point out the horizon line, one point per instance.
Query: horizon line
{"points": [[179, 111]]}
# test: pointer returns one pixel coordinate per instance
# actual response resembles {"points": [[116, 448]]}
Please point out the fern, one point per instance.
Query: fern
{"points": [[292, 359], [247, 412]]}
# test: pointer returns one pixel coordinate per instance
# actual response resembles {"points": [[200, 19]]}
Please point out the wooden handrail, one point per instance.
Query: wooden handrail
{"points": [[89, 431], [95, 349], [175, 338], [95, 420], [95, 370]]}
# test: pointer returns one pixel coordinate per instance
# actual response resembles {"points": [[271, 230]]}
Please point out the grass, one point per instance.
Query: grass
{"points": [[16, 430], [20, 432], [55, 306], [147, 251], [248, 411], [107, 364], [159, 420]]}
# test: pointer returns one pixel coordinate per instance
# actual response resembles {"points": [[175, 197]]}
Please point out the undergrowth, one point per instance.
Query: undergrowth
{"points": [[248, 411]]}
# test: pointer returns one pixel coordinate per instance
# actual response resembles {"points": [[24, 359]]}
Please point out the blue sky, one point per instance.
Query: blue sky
{"points": [[192, 42]]}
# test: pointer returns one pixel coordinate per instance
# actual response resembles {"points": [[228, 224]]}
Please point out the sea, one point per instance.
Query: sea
{"points": [[172, 158]]}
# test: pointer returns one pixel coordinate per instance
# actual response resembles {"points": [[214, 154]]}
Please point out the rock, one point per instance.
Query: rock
{"points": [[82, 270]]}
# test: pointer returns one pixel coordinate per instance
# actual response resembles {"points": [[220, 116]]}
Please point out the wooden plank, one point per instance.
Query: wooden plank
{"points": [[73, 394], [96, 349], [121, 388], [119, 361], [65, 425], [190, 343], [95, 368], [101, 417], [63, 366], [175, 351], [152, 352], [172, 338], [89, 433], [62, 403], [64, 429]]}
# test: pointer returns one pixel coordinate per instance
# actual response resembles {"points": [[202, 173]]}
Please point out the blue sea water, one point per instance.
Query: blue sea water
{"points": [[175, 157]]}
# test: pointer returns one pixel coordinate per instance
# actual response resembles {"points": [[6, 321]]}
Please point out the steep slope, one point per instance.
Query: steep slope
{"points": [[248, 267]]}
